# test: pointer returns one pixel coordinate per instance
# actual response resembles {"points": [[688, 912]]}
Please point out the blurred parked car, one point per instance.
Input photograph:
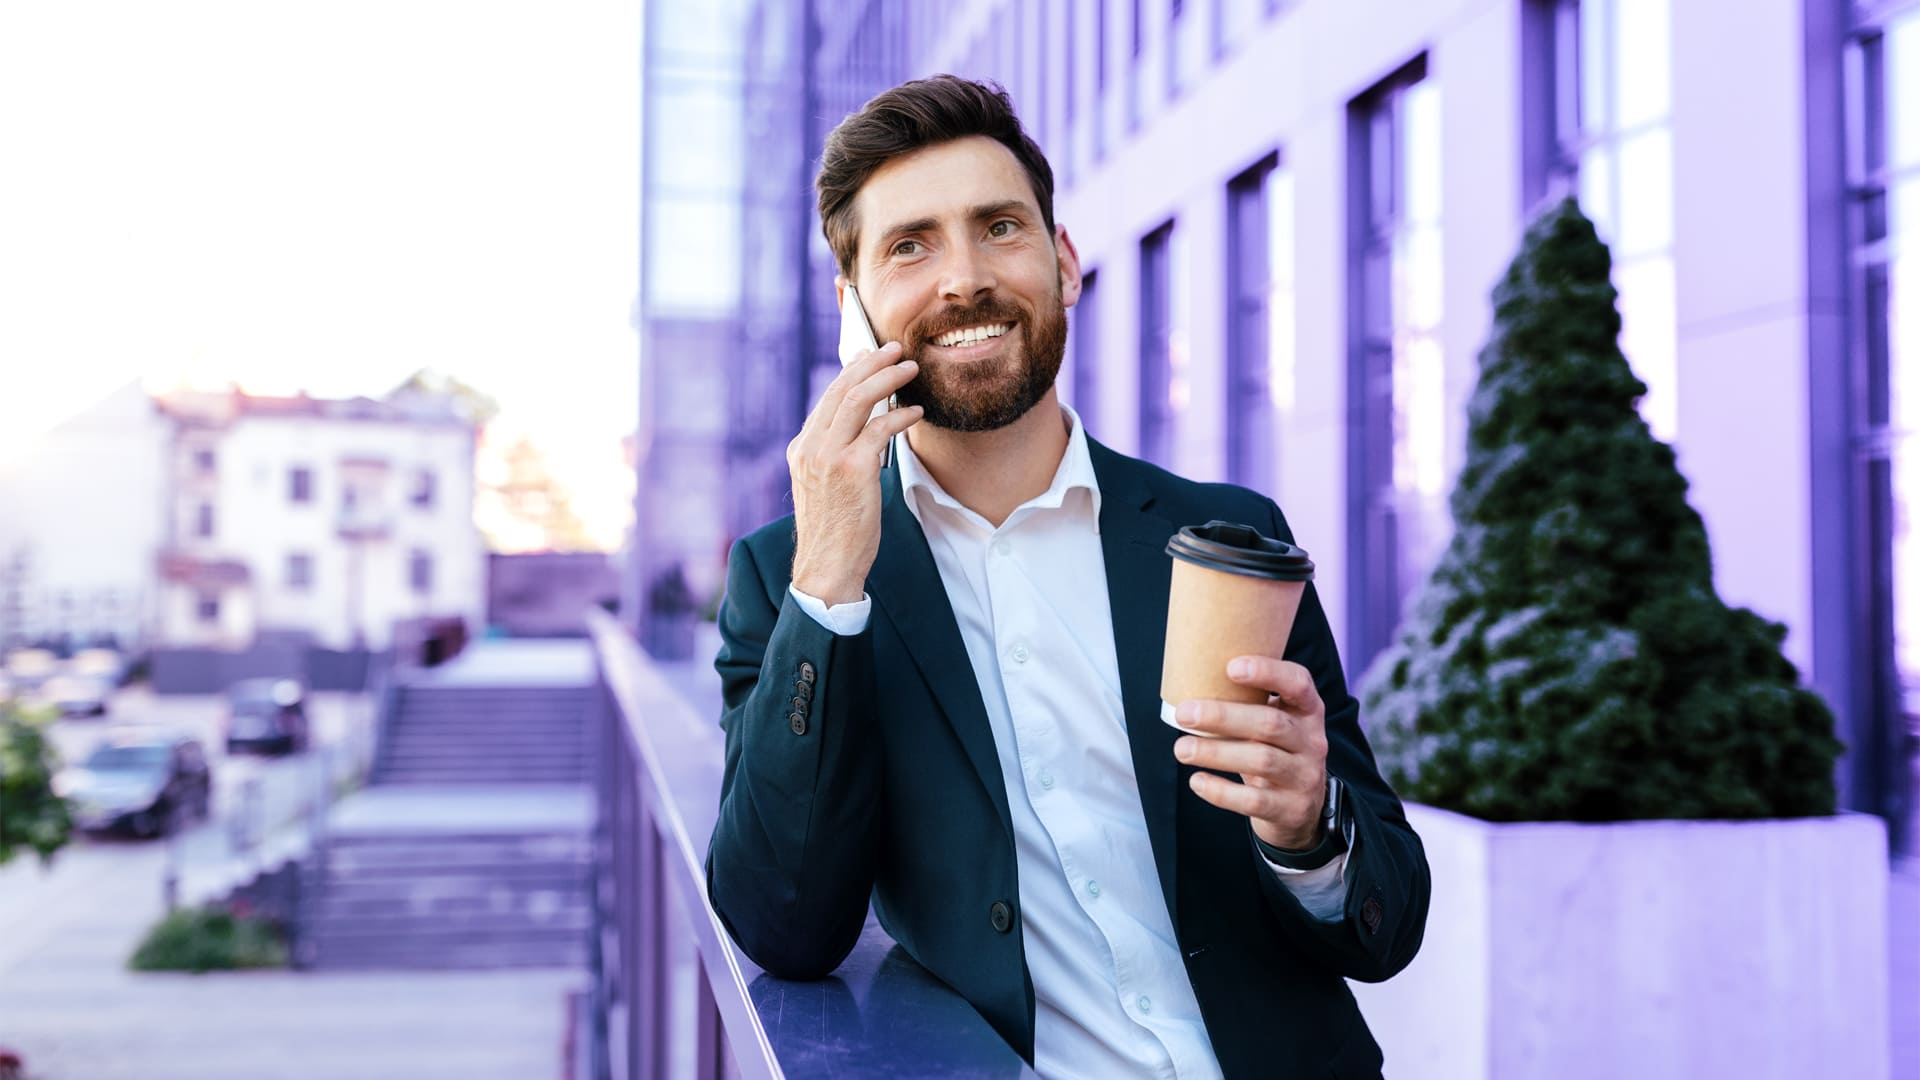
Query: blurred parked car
{"points": [[269, 715], [28, 668], [105, 664], [145, 782], [76, 695]]}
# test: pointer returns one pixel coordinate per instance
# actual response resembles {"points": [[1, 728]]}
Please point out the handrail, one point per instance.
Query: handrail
{"points": [[660, 767]]}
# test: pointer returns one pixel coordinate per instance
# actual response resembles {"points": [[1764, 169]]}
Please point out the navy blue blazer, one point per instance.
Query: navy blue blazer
{"points": [[863, 768]]}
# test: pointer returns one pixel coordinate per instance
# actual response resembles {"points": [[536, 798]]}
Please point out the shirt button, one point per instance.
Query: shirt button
{"points": [[1093, 889], [1146, 1004], [1046, 780], [1001, 547], [1020, 654]]}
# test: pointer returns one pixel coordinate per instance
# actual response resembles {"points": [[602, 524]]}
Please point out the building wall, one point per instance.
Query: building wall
{"points": [[358, 586], [80, 527]]}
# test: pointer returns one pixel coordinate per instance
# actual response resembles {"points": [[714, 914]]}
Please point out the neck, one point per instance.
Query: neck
{"points": [[992, 472]]}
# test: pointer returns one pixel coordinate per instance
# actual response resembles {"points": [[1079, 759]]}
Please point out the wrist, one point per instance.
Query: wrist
{"points": [[833, 590]]}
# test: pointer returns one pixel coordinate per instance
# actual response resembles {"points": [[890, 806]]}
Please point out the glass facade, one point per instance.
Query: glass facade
{"points": [[1085, 325], [1884, 178], [1612, 81], [1397, 512], [1156, 345], [1260, 320]]}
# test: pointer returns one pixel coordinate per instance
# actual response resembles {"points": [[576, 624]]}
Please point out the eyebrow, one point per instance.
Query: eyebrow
{"points": [[977, 213]]}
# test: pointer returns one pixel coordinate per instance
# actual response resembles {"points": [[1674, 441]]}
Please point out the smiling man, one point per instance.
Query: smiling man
{"points": [[941, 675]]}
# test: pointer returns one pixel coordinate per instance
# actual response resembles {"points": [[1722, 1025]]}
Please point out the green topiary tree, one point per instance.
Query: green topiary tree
{"points": [[1568, 658], [32, 817]]}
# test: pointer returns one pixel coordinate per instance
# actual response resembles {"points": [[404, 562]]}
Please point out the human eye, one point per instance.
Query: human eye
{"points": [[1002, 228], [906, 247]]}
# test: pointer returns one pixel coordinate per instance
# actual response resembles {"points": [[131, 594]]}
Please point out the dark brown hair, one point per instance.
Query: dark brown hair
{"points": [[909, 117]]}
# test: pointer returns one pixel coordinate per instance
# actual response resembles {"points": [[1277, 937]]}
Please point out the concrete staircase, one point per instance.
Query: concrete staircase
{"points": [[471, 846], [449, 901], [472, 735]]}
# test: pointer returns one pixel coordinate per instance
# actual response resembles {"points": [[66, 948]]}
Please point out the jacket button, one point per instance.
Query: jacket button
{"points": [[1370, 914], [1002, 916], [804, 689], [806, 673], [798, 723], [798, 705]]}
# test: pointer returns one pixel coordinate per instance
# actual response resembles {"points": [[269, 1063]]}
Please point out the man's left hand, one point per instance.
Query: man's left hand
{"points": [[1279, 750]]}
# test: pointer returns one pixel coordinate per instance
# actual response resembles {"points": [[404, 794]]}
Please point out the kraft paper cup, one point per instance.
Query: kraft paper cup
{"points": [[1235, 593]]}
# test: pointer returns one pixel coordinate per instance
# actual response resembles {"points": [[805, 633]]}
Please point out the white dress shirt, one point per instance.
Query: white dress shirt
{"points": [[1111, 993]]}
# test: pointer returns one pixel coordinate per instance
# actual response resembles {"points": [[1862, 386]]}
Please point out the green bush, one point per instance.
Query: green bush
{"points": [[32, 817], [1568, 658], [210, 939]]}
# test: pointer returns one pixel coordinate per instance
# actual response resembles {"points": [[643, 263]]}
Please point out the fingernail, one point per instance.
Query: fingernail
{"points": [[1183, 748], [1240, 668]]}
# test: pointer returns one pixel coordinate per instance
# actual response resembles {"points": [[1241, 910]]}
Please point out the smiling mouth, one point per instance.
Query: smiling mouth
{"points": [[972, 335]]}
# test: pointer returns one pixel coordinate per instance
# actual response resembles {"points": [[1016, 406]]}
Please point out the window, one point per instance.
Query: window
{"points": [[207, 608], [1260, 319], [1086, 352], [300, 484], [424, 483], [1608, 139], [420, 572], [299, 570], [203, 521], [1883, 73], [1397, 518], [1156, 345]]}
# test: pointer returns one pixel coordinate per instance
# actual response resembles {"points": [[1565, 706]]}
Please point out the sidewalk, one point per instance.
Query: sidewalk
{"points": [[70, 1006]]}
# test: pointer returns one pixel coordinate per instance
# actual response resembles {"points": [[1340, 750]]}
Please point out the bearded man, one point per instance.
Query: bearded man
{"points": [[941, 675]]}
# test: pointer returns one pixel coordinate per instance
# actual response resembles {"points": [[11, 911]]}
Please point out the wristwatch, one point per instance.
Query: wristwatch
{"points": [[1333, 834]]}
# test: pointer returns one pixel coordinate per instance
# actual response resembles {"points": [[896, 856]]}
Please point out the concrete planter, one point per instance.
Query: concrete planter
{"points": [[1644, 949]]}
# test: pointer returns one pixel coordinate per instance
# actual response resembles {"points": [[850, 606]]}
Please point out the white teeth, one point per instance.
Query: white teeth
{"points": [[971, 335]]}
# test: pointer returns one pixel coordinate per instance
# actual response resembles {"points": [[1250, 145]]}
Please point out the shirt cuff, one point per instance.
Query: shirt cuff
{"points": [[845, 620], [1321, 890]]}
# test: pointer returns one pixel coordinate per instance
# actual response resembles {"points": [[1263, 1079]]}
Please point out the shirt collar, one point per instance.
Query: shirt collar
{"points": [[1075, 472]]}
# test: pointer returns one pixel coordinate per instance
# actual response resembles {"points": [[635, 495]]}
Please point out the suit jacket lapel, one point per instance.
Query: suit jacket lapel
{"points": [[1139, 573], [905, 585]]}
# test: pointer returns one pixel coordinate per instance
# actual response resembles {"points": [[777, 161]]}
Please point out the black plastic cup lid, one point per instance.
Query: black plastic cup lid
{"points": [[1240, 549]]}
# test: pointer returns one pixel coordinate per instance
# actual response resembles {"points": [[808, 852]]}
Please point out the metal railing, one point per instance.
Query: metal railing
{"points": [[672, 995]]}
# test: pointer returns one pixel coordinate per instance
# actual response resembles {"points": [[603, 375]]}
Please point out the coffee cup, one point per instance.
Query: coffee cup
{"points": [[1234, 593]]}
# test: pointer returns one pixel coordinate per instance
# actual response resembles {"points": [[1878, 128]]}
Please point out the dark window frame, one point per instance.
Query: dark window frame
{"points": [[1251, 444], [1086, 348], [1155, 412]]}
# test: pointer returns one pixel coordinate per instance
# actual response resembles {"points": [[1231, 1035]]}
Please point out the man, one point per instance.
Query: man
{"points": [[941, 676]]}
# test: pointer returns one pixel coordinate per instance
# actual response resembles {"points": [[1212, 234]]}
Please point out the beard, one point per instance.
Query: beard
{"points": [[989, 394]]}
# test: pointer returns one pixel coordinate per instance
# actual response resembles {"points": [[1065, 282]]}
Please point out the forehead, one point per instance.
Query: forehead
{"points": [[940, 182]]}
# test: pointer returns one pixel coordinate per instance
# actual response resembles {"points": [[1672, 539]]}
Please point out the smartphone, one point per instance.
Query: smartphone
{"points": [[856, 337]]}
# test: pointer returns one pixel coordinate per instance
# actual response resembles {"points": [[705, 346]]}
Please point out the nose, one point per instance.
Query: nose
{"points": [[967, 276]]}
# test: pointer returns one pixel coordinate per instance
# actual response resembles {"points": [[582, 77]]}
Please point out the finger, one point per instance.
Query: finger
{"points": [[1270, 764], [1245, 800], [1254, 723], [886, 426], [864, 365], [856, 407], [1284, 679]]}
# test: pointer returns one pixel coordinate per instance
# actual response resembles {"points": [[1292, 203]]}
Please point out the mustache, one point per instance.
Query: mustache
{"points": [[989, 310]]}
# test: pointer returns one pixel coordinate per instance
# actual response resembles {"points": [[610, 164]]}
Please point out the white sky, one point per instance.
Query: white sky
{"points": [[291, 194]]}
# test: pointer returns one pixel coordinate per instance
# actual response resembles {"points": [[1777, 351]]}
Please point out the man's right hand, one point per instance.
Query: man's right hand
{"points": [[835, 466]]}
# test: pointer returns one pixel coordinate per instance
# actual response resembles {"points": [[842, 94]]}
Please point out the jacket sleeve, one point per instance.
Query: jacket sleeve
{"points": [[792, 861], [1388, 884]]}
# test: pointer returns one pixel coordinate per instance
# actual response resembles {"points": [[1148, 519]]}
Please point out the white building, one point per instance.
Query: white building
{"points": [[335, 518], [81, 525], [200, 519]]}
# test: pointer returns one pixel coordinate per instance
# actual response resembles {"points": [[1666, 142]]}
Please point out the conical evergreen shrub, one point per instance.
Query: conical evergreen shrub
{"points": [[1568, 658]]}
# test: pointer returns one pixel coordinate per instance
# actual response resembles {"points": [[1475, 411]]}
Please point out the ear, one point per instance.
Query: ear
{"points": [[1069, 258], [840, 290]]}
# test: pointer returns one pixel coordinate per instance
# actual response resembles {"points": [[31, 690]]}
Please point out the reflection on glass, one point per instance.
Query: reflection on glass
{"points": [[1645, 70], [1419, 364], [1422, 188], [1280, 309], [1646, 194], [1648, 333], [1596, 65], [1903, 89], [1596, 188]]}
